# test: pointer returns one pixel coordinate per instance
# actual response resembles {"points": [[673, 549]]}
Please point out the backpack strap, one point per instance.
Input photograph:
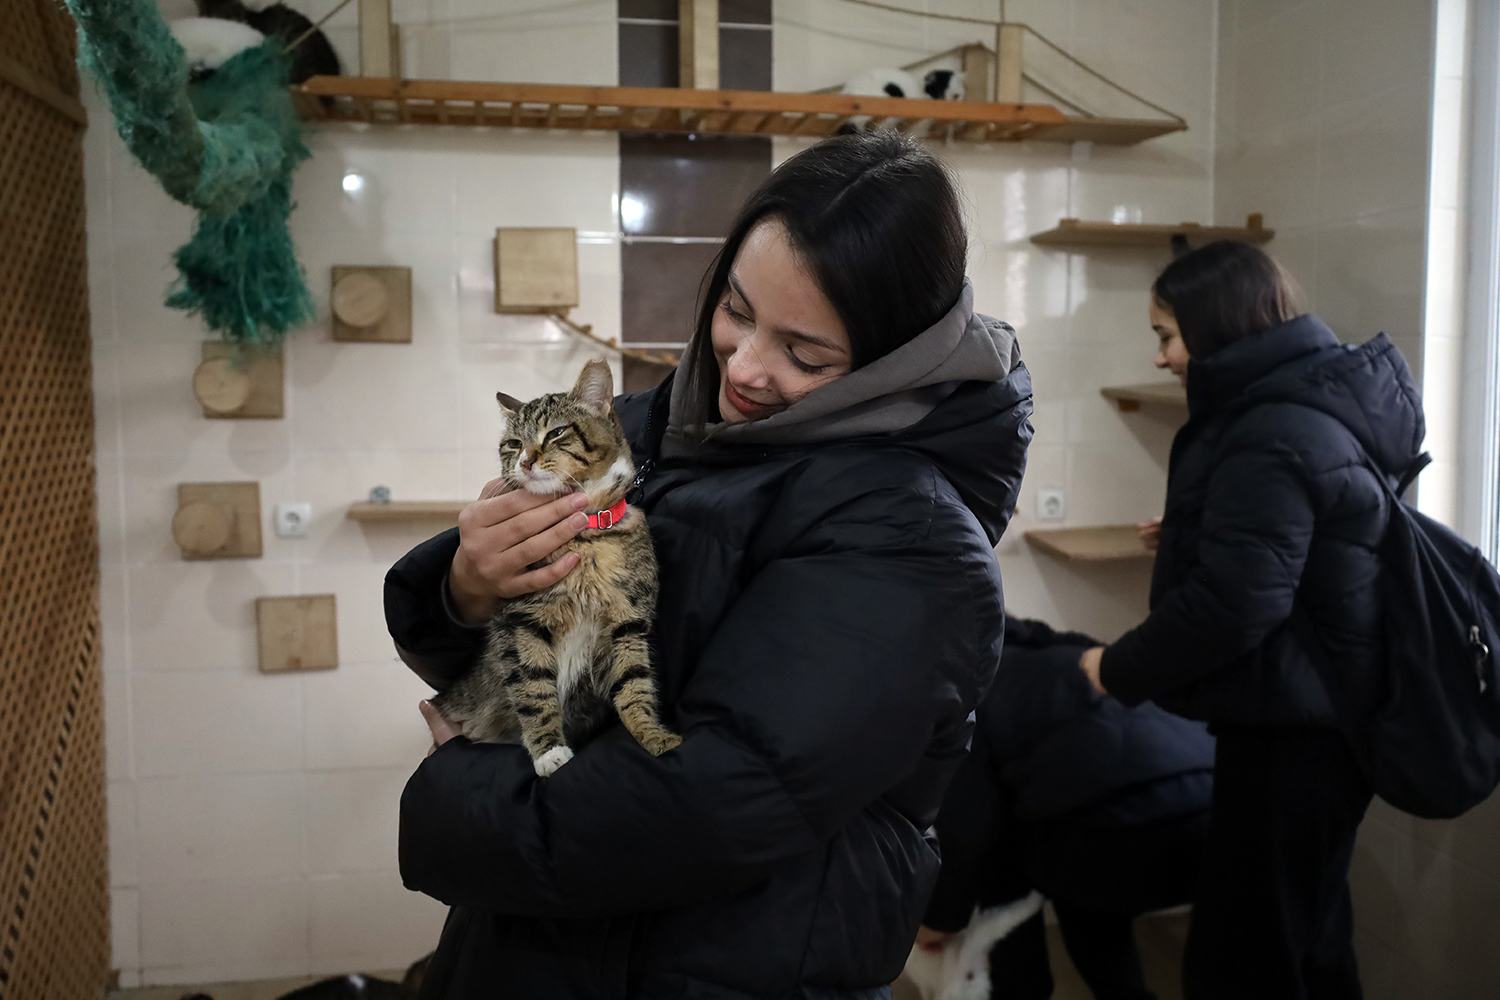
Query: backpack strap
{"points": [[1409, 474]]}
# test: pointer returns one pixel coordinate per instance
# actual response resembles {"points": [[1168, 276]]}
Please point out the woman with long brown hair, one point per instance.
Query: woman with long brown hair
{"points": [[1267, 563]]}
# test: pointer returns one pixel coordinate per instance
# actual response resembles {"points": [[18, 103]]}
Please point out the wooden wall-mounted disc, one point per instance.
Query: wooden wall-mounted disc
{"points": [[218, 520], [360, 299], [201, 528], [220, 386], [371, 304], [240, 381]]}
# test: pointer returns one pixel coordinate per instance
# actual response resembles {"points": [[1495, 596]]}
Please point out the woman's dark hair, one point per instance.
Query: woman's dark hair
{"points": [[1223, 292], [875, 218]]}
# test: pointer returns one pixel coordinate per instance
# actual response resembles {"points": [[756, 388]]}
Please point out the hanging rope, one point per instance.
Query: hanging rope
{"points": [[1039, 36], [923, 13], [227, 145], [1091, 71], [309, 32]]}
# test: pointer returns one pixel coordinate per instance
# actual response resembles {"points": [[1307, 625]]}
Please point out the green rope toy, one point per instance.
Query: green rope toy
{"points": [[226, 145]]}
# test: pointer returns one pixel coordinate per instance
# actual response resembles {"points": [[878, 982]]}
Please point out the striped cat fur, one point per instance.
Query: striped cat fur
{"points": [[563, 663]]}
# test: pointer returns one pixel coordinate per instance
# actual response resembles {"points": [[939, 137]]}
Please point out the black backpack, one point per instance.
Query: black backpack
{"points": [[1427, 731]]}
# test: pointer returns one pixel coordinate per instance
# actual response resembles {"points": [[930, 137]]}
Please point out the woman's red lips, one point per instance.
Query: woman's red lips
{"points": [[748, 407]]}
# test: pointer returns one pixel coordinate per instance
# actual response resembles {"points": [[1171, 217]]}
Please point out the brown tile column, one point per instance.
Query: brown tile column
{"points": [[680, 193]]}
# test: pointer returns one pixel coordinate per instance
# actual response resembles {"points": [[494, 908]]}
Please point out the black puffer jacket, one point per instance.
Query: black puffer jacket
{"points": [[1270, 503], [829, 617], [1063, 750], [1049, 754]]}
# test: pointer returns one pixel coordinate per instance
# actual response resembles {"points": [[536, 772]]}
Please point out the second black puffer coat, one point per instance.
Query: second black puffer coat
{"points": [[835, 615], [1270, 502], [1061, 749], [1051, 754]]}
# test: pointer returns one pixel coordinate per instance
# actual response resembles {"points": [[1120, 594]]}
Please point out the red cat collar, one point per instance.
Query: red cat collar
{"points": [[608, 518]]}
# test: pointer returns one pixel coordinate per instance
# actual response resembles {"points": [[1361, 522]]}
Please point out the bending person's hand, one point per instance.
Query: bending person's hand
{"points": [[1150, 532], [501, 536], [1089, 664]]}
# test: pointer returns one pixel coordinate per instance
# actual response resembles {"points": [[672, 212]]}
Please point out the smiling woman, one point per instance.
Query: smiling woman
{"points": [[823, 480], [770, 357], [839, 259]]}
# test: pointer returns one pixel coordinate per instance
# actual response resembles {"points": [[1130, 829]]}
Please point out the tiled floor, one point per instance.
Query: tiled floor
{"points": [[1160, 937], [260, 989]]}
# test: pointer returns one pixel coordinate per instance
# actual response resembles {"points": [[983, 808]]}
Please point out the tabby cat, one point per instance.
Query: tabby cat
{"points": [[562, 663]]}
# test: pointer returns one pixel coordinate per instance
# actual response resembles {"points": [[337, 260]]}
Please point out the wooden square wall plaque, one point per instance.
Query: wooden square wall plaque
{"points": [[371, 305], [297, 633], [536, 270], [240, 381], [218, 520]]}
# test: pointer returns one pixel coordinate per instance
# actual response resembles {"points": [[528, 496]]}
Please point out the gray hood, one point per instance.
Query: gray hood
{"points": [[889, 394]]}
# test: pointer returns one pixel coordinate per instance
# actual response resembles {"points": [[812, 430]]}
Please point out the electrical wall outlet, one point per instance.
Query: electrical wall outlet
{"points": [[293, 519], [1051, 505]]}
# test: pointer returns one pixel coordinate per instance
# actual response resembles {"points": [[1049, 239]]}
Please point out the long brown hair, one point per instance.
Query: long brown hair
{"points": [[1224, 292]]}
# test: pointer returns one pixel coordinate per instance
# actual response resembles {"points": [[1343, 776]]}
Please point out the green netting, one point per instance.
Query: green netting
{"points": [[226, 145]]}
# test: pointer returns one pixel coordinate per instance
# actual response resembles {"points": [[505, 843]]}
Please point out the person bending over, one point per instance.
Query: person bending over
{"points": [[1100, 807]]}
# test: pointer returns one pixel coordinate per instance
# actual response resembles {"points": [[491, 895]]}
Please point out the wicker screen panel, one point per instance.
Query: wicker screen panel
{"points": [[39, 36], [54, 885]]}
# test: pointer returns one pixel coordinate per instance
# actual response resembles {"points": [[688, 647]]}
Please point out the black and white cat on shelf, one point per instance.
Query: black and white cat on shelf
{"points": [[226, 27], [938, 84]]}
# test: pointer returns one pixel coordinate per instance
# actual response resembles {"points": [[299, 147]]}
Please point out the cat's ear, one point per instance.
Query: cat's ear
{"points": [[508, 404], [595, 387]]}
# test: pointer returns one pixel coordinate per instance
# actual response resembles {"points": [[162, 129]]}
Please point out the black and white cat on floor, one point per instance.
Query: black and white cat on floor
{"points": [[313, 56]]}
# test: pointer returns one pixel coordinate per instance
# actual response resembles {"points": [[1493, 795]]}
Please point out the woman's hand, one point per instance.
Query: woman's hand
{"points": [[500, 536], [442, 730], [1150, 532], [931, 940], [1089, 664]]}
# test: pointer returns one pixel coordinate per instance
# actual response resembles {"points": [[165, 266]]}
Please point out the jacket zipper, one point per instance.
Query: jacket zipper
{"points": [[1481, 653], [638, 484]]}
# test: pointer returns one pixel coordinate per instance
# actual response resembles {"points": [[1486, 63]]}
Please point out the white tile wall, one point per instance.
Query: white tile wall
{"points": [[217, 827], [340, 935], [1325, 131], [352, 818], [195, 932], [125, 939]]}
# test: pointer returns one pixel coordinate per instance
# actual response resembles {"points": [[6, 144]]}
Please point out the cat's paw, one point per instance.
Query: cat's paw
{"points": [[658, 745], [553, 759]]}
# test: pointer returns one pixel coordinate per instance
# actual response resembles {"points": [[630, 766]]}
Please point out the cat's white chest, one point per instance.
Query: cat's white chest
{"points": [[575, 654]]}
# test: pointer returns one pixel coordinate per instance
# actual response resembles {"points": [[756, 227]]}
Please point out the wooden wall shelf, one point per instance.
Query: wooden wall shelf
{"points": [[1132, 397], [672, 109], [1106, 544], [1076, 232], [407, 510]]}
